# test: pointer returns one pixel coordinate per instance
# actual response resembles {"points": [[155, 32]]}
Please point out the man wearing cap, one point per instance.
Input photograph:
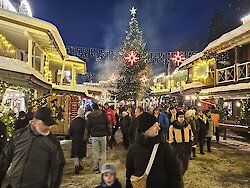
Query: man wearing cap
{"points": [[165, 171], [33, 158]]}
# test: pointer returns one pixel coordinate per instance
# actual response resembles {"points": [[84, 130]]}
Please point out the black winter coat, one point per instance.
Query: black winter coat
{"points": [[33, 159], [125, 124], [165, 171], [203, 127], [21, 123], [132, 130], [98, 124], [2, 136], [76, 132]]}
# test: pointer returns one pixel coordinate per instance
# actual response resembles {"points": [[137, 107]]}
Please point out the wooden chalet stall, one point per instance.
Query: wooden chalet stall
{"points": [[65, 102]]}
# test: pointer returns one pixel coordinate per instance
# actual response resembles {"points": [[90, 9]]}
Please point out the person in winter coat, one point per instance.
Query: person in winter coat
{"points": [[125, 124], [2, 136], [115, 128], [166, 170], [164, 123], [33, 158], [210, 131], [181, 138], [99, 126], [203, 125], [134, 125], [111, 115], [78, 145], [191, 119], [109, 179], [156, 113], [172, 114], [21, 122], [216, 117]]}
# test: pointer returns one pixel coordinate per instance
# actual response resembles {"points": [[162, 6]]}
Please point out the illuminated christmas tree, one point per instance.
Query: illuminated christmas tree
{"points": [[134, 70]]}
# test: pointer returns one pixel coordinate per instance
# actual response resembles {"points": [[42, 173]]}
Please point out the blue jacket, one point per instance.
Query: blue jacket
{"points": [[164, 121]]}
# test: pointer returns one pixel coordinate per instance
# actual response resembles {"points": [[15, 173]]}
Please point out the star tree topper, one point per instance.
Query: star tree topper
{"points": [[132, 58], [133, 11], [178, 58]]}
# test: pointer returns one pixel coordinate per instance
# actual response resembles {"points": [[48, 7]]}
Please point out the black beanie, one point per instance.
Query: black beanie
{"points": [[180, 113], [145, 121]]}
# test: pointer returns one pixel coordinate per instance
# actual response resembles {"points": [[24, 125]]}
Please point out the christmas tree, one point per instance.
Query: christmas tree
{"points": [[134, 70]]}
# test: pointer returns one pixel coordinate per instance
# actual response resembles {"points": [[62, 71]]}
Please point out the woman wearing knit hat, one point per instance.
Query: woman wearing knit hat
{"points": [[181, 138], [165, 171], [79, 146]]}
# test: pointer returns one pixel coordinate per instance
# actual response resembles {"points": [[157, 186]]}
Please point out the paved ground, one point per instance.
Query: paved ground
{"points": [[227, 166]]}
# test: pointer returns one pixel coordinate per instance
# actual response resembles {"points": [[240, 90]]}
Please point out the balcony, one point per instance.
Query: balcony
{"points": [[244, 71], [233, 73], [226, 75]]}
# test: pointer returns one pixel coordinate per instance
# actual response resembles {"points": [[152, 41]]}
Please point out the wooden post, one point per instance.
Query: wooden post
{"points": [[30, 46], [224, 133], [237, 60], [62, 73], [42, 63]]}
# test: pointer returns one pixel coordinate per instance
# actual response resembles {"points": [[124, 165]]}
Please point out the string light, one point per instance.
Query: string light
{"points": [[200, 70], [6, 48], [47, 72]]}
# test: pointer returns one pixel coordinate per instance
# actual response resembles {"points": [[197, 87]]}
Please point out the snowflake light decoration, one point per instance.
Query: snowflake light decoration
{"points": [[132, 58], [113, 77], [143, 79], [178, 58]]}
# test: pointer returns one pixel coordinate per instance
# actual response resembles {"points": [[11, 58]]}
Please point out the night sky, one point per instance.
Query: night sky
{"points": [[102, 23]]}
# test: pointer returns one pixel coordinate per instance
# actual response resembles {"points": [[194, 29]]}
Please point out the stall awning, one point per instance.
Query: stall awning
{"points": [[65, 89], [18, 73]]}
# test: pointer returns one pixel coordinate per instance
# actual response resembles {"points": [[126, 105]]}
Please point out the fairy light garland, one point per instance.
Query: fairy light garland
{"points": [[6, 48]]}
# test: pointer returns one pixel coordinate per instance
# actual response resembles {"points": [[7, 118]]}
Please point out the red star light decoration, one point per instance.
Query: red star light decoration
{"points": [[178, 58], [132, 58], [143, 79]]}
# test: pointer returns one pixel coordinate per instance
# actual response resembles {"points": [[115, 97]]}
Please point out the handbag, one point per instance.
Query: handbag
{"points": [[86, 134], [141, 182]]}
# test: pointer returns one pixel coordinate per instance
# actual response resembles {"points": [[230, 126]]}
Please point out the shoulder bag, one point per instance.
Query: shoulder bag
{"points": [[141, 182]]}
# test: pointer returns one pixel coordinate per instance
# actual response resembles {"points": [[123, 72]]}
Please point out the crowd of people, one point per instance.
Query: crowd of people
{"points": [[177, 132]]}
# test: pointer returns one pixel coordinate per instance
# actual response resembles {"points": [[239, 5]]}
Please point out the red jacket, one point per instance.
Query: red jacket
{"points": [[111, 115]]}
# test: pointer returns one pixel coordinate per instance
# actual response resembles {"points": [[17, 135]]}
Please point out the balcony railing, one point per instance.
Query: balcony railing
{"points": [[233, 73], [226, 75], [244, 71]]}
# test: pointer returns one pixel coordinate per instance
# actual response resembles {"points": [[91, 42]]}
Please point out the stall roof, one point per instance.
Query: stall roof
{"points": [[193, 85], [191, 59], [227, 88], [67, 89], [18, 28], [19, 73], [231, 39]]}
